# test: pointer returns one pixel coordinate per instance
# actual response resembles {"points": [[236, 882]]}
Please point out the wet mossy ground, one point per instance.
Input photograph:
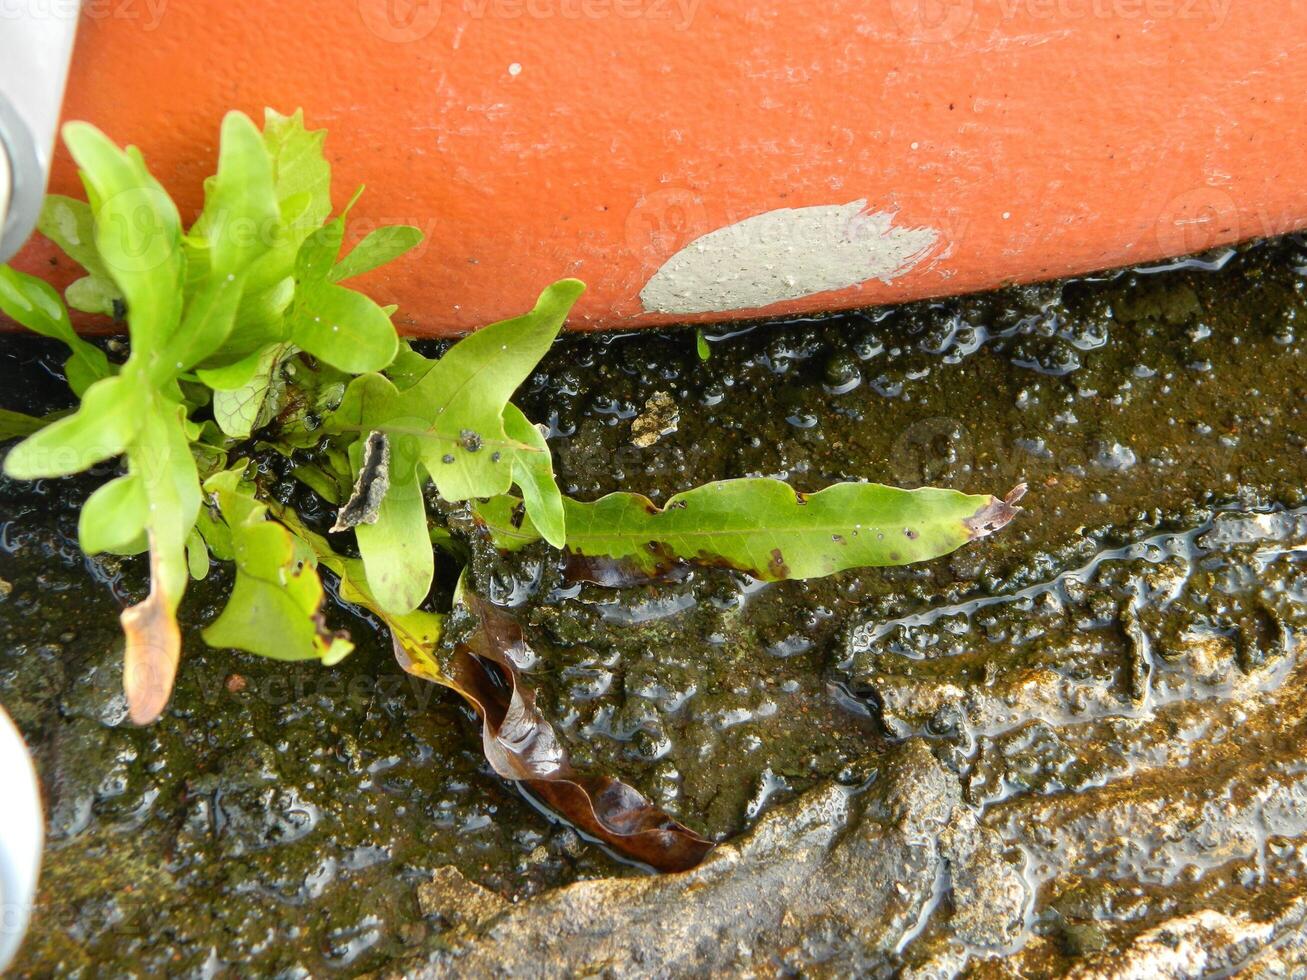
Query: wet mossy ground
{"points": [[280, 818]]}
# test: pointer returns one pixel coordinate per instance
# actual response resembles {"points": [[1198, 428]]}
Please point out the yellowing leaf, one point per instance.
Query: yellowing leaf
{"points": [[275, 608], [153, 648]]}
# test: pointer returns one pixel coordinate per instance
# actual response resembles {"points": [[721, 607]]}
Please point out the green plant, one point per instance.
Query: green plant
{"points": [[243, 341], [216, 314]]}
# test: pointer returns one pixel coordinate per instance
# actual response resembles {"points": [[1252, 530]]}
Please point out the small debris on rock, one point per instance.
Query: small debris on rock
{"points": [[659, 418], [235, 683], [455, 901]]}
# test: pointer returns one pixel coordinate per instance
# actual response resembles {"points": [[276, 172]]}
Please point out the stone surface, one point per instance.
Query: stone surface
{"points": [[833, 882]]}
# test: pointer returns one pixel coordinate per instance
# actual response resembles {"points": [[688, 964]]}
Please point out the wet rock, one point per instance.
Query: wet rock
{"points": [[989, 895], [455, 901], [1208, 612], [1203, 944], [97, 690], [834, 880]]}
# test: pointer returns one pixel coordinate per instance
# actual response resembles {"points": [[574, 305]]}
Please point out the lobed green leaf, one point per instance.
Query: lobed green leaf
{"points": [[137, 234], [455, 410], [241, 210], [70, 224], [765, 528]]}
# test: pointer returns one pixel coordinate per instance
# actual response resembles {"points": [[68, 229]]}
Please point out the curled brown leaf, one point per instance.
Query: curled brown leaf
{"points": [[996, 514], [522, 746]]}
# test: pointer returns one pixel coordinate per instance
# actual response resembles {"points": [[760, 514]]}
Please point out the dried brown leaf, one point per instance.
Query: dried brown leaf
{"points": [[522, 746], [364, 503], [154, 646]]}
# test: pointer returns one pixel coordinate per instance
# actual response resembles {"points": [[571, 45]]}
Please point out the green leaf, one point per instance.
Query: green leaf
{"points": [[35, 304], [396, 549], [302, 187], [240, 203], [765, 529], [299, 166], [216, 534], [320, 481], [197, 555], [160, 457], [456, 410], [275, 608], [113, 518], [236, 374], [344, 328], [240, 225], [109, 418], [505, 517], [91, 294], [16, 424], [409, 367], [70, 224], [318, 253], [701, 345], [137, 233], [533, 472], [240, 411], [208, 321], [383, 245]]}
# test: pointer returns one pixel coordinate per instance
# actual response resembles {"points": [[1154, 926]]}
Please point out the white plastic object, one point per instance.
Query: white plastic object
{"points": [[6, 183], [22, 834], [36, 41]]}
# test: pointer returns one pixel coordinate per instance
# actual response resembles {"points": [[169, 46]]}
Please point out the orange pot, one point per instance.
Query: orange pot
{"points": [[716, 159]]}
